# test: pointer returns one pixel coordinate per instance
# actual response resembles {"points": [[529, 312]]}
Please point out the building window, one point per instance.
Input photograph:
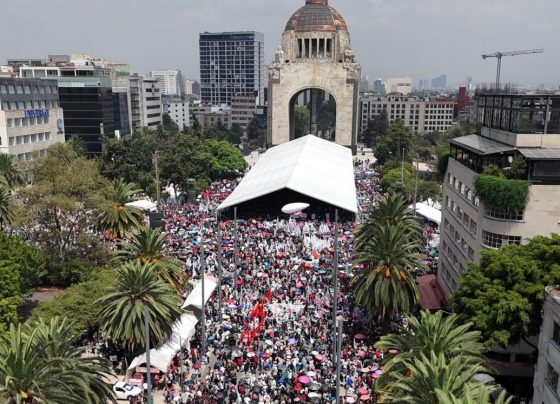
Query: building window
{"points": [[496, 214], [47, 135], [556, 333], [471, 253], [10, 122], [552, 377], [493, 240]]}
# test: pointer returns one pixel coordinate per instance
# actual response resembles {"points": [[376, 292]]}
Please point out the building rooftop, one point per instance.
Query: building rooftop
{"points": [[316, 16], [481, 145], [554, 292]]}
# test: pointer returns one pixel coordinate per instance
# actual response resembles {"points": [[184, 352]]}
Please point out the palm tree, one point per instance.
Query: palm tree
{"points": [[469, 398], [138, 287], [40, 364], [10, 171], [385, 285], [6, 206], [430, 333], [427, 374], [147, 245], [390, 209], [117, 218]]}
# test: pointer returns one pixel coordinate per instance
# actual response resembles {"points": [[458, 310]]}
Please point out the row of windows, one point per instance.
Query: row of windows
{"points": [[32, 138], [22, 105], [30, 121], [29, 156], [552, 377], [25, 89], [495, 214], [460, 241], [448, 277], [493, 240], [463, 190], [469, 224]]}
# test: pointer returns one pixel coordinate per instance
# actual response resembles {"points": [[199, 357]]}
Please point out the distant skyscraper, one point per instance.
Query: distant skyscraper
{"points": [[424, 84], [171, 81], [440, 81], [231, 63], [379, 87]]}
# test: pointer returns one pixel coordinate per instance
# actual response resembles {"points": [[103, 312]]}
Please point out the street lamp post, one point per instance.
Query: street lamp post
{"points": [[147, 343], [202, 270], [338, 360], [335, 278], [235, 248], [219, 256]]}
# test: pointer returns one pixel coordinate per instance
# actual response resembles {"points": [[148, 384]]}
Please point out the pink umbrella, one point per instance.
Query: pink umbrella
{"points": [[359, 336], [376, 376], [319, 357], [362, 390], [365, 370], [393, 351], [365, 397], [304, 379], [350, 400]]}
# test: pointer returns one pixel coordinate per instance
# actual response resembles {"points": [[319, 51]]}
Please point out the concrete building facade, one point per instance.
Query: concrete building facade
{"points": [[315, 55], [149, 102], [31, 118], [171, 81], [178, 110], [509, 127], [419, 115], [401, 85], [231, 63], [545, 382], [243, 109]]}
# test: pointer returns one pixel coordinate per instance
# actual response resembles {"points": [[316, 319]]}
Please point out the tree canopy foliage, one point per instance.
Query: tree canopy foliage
{"points": [[503, 296], [397, 140]]}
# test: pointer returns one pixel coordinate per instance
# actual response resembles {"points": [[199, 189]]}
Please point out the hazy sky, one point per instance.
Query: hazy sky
{"points": [[418, 38]]}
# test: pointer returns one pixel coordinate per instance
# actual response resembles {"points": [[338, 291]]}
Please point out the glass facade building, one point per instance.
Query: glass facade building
{"points": [[231, 63]]}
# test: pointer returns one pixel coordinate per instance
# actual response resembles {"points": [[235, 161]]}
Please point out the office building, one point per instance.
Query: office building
{"points": [[231, 63], [31, 118], [401, 85], [508, 127], [242, 109], [440, 82], [171, 82], [86, 96], [209, 115], [149, 102], [545, 382], [421, 116], [424, 84], [379, 87], [178, 110]]}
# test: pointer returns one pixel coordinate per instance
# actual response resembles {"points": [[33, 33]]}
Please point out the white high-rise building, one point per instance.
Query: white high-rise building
{"points": [[171, 81], [178, 111], [401, 85], [150, 102]]}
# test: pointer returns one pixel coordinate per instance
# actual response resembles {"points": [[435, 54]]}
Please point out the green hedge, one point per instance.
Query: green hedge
{"points": [[507, 196]]}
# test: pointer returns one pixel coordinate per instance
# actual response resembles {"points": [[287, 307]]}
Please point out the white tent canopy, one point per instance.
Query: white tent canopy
{"points": [[183, 329], [429, 212], [310, 166], [143, 204]]}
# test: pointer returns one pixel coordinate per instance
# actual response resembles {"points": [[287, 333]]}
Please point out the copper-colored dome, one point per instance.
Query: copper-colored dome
{"points": [[316, 16]]}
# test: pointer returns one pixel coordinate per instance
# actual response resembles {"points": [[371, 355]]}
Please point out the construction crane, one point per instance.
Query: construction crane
{"points": [[499, 55]]}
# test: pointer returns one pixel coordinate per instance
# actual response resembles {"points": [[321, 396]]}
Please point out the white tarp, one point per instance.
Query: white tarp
{"points": [[194, 300], [429, 212], [143, 204], [309, 165], [183, 329]]}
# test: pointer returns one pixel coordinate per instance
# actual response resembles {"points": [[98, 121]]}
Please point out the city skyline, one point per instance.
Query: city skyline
{"points": [[420, 39]]}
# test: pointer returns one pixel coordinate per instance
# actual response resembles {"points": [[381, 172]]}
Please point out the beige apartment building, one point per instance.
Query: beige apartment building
{"points": [[421, 116], [509, 126]]}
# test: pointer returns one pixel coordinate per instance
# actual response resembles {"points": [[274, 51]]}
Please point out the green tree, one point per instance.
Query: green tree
{"points": [[122, 314], [256, 131], [391, 146], [58, 205], [384, 284], [426, 375], [376, 129], [79, 303], [168, 124], [116, 217], [224, 158], [503, 296], [302, 122], [30, 261], [147, 246], [430, 333], [7, 214], [41, 364], [10, 170], [10, 297], [326, 118]]}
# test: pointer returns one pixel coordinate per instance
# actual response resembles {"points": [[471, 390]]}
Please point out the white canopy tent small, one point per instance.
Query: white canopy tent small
{"points": [[183, 329], [143, 204], [429, 212]]}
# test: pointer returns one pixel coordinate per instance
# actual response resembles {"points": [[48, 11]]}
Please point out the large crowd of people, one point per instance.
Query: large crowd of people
{"points": [[273, 339]]}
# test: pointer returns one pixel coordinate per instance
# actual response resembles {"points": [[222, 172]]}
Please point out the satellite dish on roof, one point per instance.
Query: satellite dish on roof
{"points": [[294, 207]]}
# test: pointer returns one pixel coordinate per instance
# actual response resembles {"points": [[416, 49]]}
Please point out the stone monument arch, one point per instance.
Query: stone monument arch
{"points": [[314, 57]]}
